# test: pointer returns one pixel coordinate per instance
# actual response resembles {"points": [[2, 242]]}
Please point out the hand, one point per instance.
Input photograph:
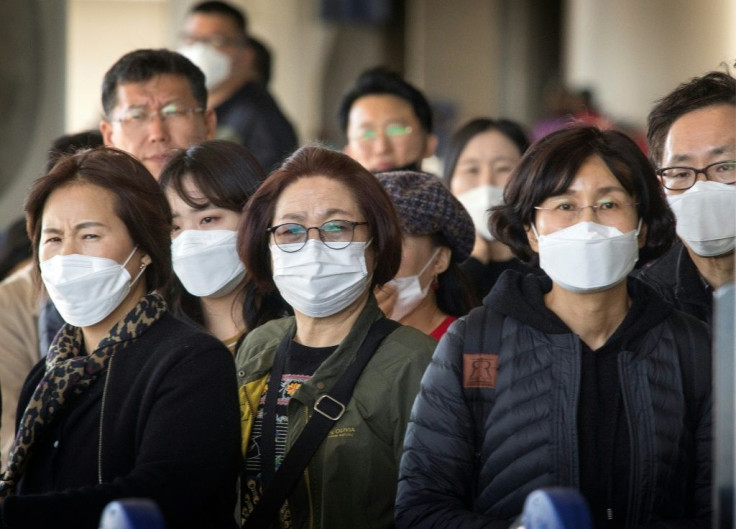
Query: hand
{"points": [[386, 296]]}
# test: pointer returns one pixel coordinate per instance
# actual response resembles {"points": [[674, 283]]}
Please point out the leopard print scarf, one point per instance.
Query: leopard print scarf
{"points": [[69, 372]]}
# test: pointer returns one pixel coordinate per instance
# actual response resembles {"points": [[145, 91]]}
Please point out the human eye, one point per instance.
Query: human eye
{"points": [[172, 111], [397, 129], [135, 115], [563, 206], [677, 173], [208, 220], [367, 134], [290, 232], [335, 226], [175, 228], [726, 167], [52, 239]]}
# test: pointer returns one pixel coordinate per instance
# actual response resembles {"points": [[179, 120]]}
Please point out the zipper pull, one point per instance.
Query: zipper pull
{"points": [[609, 514]]}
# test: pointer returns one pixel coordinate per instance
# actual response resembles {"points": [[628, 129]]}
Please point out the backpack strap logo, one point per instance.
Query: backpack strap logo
{"points": [[480, 370]]}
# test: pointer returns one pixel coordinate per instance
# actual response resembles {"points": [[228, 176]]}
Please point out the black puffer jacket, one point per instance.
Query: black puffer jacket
{"points": [[530, 437]]}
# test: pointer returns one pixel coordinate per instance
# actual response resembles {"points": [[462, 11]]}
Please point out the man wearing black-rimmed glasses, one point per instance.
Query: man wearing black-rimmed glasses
{"points": [[692, 142]]}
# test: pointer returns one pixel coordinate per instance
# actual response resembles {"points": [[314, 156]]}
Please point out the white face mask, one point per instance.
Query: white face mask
{"points": [[319, 281], [86, 289], [478, 201], [206, 262], [706, 217], [214, 64], [410, 292], [588, 256]]}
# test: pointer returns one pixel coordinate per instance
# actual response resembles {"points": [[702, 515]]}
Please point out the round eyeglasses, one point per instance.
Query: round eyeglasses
{"points": [[681, 178], [608, 210], [292, 237]]}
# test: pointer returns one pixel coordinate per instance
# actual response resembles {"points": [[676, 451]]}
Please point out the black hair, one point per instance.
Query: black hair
{"points": [[142, 65], [551, 164], [714, 88], [215, 7], [382, 81], [70, 143], [16, 247], [262, 60], [227, 174], [455, 294], [511, 129]]}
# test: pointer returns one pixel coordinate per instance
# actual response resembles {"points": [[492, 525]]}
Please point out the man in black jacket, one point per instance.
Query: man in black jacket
{"points": [[215, 38], [692, 141]]}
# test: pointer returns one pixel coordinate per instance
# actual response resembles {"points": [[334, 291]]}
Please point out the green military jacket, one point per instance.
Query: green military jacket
{"points": [[351, 480]]}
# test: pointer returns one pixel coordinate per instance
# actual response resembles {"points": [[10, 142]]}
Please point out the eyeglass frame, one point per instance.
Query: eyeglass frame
{"points": [[703, 171], [408, 129], [352, 223], [578, 209], [150, 113]]}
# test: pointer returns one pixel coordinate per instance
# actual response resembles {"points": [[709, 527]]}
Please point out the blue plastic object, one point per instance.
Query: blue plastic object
{"points": [[133, 513], [556, 508]]}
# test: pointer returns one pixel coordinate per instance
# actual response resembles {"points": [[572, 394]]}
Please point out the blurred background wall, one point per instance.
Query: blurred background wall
{"points": [[471, 57]]}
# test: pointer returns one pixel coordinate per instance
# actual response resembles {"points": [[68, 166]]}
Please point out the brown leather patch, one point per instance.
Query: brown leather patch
{"points": [[479, 370]]}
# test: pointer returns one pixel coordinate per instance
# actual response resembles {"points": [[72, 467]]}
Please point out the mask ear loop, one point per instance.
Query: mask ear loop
{"points": [[638, 228], [141, 268]]}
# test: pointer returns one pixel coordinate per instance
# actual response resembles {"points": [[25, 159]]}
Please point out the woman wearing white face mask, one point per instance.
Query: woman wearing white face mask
{"points": [[129, 401], [430, 291], [586, 378], [207, 186], [322, 230], [478, 163]]}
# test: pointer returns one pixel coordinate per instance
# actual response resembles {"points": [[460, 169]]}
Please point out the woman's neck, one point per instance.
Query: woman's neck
{"points": [[594, 316], [223, 316], [427, 316], [330, 330]]}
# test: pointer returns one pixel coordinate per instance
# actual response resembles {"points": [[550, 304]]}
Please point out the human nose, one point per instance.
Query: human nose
{"points": [[316, 235], [382, 143], [588, 213], [158, 129], [700, 175]]}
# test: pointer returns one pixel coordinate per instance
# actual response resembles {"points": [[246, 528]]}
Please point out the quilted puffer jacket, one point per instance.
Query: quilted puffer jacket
{"points": [[529, 435]]}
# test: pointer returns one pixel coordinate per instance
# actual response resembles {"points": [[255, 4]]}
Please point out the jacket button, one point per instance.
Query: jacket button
{"points": [[320, 385], [241, 373], [56, 444]]}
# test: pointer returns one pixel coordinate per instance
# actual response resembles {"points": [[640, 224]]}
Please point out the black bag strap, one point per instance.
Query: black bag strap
{"points": [[329, 409]]}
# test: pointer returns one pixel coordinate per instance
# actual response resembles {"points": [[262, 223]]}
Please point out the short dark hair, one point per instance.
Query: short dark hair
{"points": [[227, 174], [139, 202], [382, 81], [310, 161], [214, 7], [549, 167], [223, 171], [261, 60], [15, 247], [511, 129], [70, 143], [142, 65], [713, 88]]}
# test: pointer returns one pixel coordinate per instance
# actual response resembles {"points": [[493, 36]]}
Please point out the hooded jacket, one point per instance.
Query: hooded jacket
{"points": [[531, 434]]}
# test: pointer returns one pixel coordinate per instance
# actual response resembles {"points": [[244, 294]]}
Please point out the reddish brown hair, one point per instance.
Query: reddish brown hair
{"points": [[139, 202], [372, 200]]}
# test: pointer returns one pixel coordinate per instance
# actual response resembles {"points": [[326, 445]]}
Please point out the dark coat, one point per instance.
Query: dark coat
{"points": [[170, 432], [676, 278], [530, 436], [253, 118]]}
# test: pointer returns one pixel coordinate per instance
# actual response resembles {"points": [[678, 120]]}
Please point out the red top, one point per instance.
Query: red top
{"points": [[442, 327]]}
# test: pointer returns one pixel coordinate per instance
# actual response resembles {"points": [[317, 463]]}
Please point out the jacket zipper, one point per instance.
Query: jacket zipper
{"points": [[102, 416]]}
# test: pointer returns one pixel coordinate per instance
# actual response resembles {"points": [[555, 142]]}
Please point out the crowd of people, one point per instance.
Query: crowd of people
{"points": [[198, 312]]}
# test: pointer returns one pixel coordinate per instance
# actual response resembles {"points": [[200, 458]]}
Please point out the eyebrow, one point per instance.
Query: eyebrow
{"points": [[601, 191], [80, 226], [327, 214]]}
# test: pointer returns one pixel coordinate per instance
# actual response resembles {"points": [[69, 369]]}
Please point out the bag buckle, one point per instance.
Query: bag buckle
{"points": [[340, 405]]}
